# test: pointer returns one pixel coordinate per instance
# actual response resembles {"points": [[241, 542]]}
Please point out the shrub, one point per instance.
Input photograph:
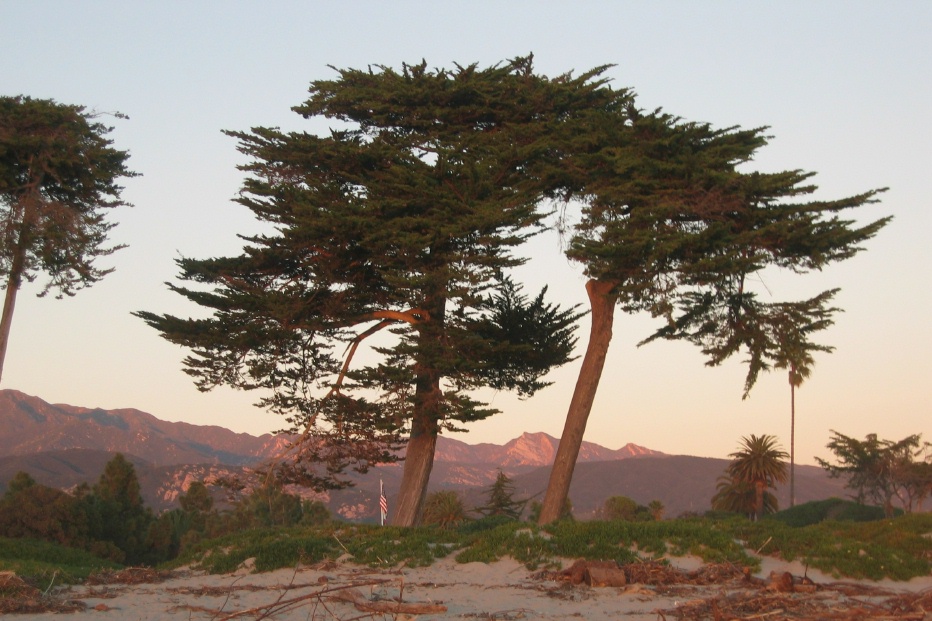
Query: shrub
{"points": [[444, 509]]}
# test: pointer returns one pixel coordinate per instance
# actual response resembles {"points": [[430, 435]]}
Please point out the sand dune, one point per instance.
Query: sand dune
{"points": [[501, 590]]}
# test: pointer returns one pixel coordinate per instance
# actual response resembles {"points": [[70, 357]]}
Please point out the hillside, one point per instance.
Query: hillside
{"points": [[64, 445]]}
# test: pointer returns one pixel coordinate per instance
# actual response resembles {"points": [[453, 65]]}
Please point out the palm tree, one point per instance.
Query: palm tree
{"points": [[739, 497], [758, 462]]}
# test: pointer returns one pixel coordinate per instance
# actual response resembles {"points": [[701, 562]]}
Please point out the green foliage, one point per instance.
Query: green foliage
{"points": [[403, 221], [117, 513], [732, 496], [500, 499], [197, 499], [444, 509], [536, 507], [523, 542], [314, 513], [757, 466], [899, 548], [41, 562], [58, 173], [271, 549], [828, 509], [656, 509], [270, 505], [624, 508], [882, 471], [34, 511], [391, 545]]}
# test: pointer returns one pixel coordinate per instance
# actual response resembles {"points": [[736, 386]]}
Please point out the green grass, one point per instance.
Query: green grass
{"points": [[899, 548], [41, 563]]}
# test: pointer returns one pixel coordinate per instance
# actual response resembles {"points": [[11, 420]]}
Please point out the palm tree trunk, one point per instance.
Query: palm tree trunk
{"points": [[602, 298], [792, 439], [758, 499]]}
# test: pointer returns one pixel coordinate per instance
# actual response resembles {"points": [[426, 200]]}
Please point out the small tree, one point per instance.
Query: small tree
{"points": [[119, 513], [34, 511], [501, 500], [315, 513], [196, 499], [625, 509], [656, 509], [880, 471], [58, 176]]}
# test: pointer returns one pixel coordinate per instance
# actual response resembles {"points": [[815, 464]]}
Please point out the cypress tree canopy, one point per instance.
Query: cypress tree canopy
{"points": [[403, 220]]}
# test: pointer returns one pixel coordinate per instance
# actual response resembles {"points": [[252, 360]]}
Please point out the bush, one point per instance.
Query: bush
{"points": [[829, 509], [443, 509]]}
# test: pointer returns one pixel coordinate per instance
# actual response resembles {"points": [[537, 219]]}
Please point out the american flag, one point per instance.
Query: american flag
{"points": [[383, 503]]}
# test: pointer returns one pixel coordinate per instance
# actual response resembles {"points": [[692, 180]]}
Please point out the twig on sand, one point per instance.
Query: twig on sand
{"points": [[281, 605]]}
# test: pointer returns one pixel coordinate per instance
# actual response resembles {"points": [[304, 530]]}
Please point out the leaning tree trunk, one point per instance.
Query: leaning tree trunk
{"points": [[419, 460], [9, 302], [602, 301]]}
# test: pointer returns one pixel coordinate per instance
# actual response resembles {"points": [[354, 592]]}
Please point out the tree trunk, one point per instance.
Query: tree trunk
{"points": [[419, 456], [792, 438], [758, 500], [419, 460], [602, 300], [9, 302]]}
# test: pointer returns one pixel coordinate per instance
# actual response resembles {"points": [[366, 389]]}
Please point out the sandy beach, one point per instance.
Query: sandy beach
{"points": [[684, 589]]}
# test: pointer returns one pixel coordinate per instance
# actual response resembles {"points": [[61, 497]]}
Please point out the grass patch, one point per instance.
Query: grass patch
{"points": [[40, 563], [899, 548]]}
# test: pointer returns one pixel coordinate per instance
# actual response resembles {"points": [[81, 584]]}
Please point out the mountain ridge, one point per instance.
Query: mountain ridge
{"points": [[62, 446], [30, 425]]}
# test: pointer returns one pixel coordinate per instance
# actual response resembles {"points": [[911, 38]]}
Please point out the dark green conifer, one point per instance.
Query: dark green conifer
{"points": [[673, 225], [402, 221]]}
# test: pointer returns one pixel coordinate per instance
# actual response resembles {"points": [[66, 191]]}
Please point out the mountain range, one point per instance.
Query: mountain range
{"points": [[64, 445]]}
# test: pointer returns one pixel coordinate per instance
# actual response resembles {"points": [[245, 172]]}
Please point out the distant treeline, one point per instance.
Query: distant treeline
{"points": [[110, 519]]}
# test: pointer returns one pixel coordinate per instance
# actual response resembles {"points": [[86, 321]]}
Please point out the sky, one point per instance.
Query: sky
{"points": [[843, 86]]}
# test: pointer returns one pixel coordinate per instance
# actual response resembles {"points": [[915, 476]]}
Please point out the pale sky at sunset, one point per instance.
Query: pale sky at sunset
{"points": [[845, 87]]}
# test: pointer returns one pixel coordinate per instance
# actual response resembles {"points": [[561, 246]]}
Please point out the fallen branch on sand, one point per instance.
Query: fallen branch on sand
{"points": [[355, 597]]}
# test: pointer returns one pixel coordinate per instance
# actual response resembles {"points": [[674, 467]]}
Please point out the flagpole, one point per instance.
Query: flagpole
{"points": [[381, 503]]}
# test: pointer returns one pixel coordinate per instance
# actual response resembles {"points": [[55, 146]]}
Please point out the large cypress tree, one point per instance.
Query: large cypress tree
{"points": [[402, 221], [671, 226]]}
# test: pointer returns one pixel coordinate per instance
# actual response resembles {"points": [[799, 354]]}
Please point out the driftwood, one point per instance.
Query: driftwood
{"points": [[605, 577], [355, 597], [581, 571]]}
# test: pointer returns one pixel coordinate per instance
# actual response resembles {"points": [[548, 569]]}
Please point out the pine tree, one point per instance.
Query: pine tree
{"points": [[120, 515], [501, 499], [403, 222]]}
